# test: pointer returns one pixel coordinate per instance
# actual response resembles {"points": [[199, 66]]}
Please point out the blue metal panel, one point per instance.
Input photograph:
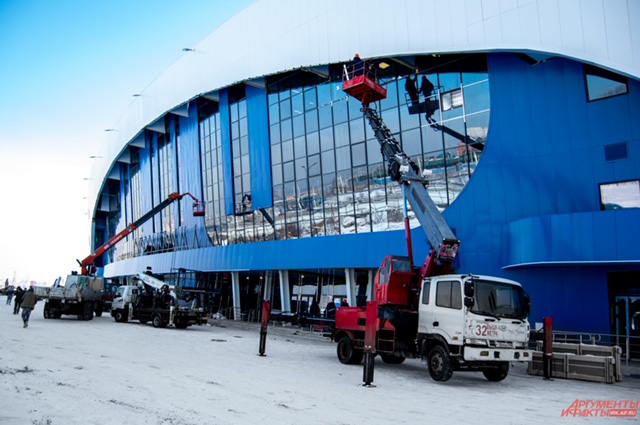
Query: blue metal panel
{"points": [[227, 161], [259, 148]]}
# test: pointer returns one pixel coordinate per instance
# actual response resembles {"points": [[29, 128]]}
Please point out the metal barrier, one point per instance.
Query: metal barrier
{"points": [[587, 362]]}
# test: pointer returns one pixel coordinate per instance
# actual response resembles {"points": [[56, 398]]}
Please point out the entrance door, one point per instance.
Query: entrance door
{"points": [[627, 324]]}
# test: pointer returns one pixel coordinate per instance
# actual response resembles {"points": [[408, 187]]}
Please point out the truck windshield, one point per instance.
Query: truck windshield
{"points": [[120, 291], [401, 264], [498, 299]]}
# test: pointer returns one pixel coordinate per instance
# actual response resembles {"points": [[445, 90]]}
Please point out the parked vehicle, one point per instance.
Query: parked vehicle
{"points": [[454, 322]]}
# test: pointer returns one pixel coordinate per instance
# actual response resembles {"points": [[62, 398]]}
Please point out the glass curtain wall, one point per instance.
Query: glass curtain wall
{"points": [[327, 170], [212, 179], [328, 173]]}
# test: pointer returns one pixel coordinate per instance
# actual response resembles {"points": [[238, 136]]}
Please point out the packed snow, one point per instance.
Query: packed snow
{"points": [[61, 372]]}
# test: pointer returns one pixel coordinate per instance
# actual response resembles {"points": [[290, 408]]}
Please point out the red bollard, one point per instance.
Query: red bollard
{"points": [[266, 312], [547, 359], [370, 331]]}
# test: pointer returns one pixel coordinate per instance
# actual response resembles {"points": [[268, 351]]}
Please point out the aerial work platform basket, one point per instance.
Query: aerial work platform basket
{"points": [[360, 80]]}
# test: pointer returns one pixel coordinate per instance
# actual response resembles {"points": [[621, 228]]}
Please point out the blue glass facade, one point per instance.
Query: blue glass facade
{"points": [[525, 202]]}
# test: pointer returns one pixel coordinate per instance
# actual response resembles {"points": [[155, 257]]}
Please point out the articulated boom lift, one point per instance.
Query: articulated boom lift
{"points": [[86, 265], [444, 245]]}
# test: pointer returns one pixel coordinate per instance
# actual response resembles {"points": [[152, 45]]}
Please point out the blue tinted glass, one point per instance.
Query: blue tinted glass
{"points": [[274, 113], [600, 87], [288, 174], [285, 129], [285, 109], [313, 143], [287, 150], [340, 111], [392, 95], [341, 134], [476, 97], [326, 139], [311, 120], [328, 162], [300, 147], [357, 130], [310, 99], [326, 119], [298, 125], [297, 104], [449, 81], [358, 154], [343, 158]]}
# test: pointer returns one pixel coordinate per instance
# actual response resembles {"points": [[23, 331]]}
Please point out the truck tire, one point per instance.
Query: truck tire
{"points": [[497, 373], [157, 321], [439, 364], [391, 359], [120, 316], [88, 311], [47, 311], [98, 312], [346, 353]]}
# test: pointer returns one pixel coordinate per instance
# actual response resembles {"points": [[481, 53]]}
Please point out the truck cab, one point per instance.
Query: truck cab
{"points": [[480, 322]]}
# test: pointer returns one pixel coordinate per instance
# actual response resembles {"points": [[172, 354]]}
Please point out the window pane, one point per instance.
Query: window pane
{"points": [[313, 143], [287, 151], [602, 84], [456, 295], [276, 156], [312, 120], [341, 133], [343, 158], [425, 292], [300, 147], [614, 196], [298, 125], [288, 171], [285, 130], [357, 130], [326, 139], [358, 155], [328, 162], [285, 109], [443, 294]]}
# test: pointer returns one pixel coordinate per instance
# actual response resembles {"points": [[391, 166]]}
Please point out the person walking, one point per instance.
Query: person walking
{"points": [[16, 304], [28, 303], [10, 291]]}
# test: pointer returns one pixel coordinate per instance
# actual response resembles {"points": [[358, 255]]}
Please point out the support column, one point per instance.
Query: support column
{"points": [[268, 285], [370, 276], [350, 280], [285, 291], [235, 291]]}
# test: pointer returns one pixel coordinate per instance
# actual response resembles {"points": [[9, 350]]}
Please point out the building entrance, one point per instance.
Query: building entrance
{"points": [[624, 296]]}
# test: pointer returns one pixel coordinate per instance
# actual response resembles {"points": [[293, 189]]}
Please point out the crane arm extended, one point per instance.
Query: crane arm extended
{"points": [[444, 245], [86, 265]]}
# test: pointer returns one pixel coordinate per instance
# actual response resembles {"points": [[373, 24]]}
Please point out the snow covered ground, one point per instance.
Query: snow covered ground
{"points": [[61, 372]]}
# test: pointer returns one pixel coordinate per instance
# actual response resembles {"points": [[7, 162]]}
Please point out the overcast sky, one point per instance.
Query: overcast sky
{"points": [[67, 73]]}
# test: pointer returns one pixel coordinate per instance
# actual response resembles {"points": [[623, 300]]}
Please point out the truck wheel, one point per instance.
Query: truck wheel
{"points": [[346, 353], [157, 321], [391, 359], [497, 373], [47, 311], [99, 312], [439, 364], [120, 316], [88, 311]]}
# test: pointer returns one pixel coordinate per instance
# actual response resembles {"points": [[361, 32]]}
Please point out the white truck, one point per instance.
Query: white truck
{"points": [[453, 321], [152, 300], [79, 295]]}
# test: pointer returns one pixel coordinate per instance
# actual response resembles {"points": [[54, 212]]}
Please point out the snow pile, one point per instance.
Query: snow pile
{"points": [[62, 372]]}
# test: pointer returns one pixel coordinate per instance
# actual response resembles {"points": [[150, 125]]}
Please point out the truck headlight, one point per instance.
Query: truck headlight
{"points": [[474, 341]]}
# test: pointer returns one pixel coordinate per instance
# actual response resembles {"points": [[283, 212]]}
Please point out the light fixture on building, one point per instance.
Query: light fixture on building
{"points": [[383, 65]]}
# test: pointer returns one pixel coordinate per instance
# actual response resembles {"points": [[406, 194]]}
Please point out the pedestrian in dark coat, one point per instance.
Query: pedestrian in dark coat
{"points": [[28, 303], [358, 65], [18, 296]]}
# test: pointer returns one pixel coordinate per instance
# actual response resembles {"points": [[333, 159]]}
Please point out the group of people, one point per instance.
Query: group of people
{"points": [[23, 299], [426, 87]]}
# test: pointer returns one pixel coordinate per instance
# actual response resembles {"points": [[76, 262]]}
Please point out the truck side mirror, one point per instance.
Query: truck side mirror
{"points": [[468, 302], [469, 288], [527, 304]]}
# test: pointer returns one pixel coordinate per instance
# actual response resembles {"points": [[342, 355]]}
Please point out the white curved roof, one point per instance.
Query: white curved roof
{"points": [[271, 36]]}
